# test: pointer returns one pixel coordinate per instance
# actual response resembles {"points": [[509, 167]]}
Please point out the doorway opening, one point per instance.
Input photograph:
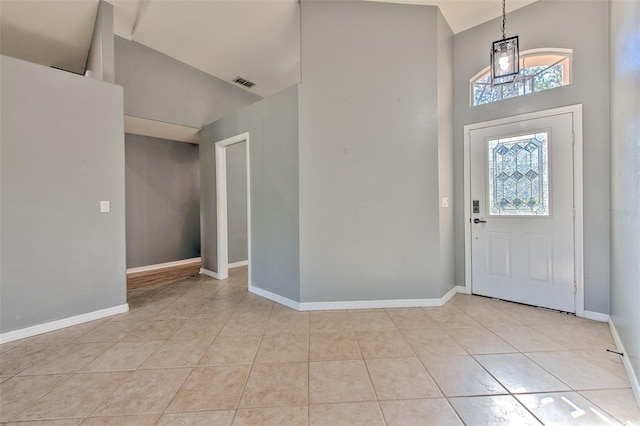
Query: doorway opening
{"points": [[222, 205], [523, 200]]}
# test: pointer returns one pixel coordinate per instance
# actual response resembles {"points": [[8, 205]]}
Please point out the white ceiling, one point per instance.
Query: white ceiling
{"points": [[258, 40], [52, 33]]}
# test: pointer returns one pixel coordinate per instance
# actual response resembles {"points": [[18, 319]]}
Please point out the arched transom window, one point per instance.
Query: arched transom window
{"points": [[540, 69]]}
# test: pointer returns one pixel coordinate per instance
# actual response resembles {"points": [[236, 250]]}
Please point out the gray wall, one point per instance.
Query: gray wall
{"points": [[583, 27], [273, 127], [237, 202], [101, 53], [163, 200], [62, 153], [369, 191], [162, 183], [161, 88], [625, 176], [445, 153]]}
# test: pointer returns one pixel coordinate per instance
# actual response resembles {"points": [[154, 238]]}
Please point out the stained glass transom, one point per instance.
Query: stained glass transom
{"points": [[519, 176]]}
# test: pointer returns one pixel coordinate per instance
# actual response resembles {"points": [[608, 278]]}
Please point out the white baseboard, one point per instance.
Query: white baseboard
{"points": [[275, 297], [633, 378], [448, 295], [209, 273], [238, 264], [23, 333], [185, 262], [596, 316], [462, 289], [355, 304]]}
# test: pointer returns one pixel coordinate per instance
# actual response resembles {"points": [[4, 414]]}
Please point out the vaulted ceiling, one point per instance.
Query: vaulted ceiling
{"points": [[258, 40]]}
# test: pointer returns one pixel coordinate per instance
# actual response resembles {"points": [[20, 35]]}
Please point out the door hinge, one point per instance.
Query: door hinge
{"points": [[573, 138], [575, 287], [574, 212]]}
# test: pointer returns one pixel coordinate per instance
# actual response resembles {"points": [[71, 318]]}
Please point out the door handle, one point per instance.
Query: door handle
{"points": [[476, 220]]}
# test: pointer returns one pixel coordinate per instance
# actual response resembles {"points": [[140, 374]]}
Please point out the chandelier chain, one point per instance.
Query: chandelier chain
{"points": [[504, 18]]}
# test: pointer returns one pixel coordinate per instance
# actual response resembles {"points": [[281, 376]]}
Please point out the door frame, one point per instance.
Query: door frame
{"points": [[576, 111], [222, 234]]}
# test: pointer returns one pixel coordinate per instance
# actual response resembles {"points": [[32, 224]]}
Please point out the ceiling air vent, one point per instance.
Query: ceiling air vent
{"points": [[244, 82]]}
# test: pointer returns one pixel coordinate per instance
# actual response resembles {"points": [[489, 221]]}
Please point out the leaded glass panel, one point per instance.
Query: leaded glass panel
{"points": [[519, 175]]}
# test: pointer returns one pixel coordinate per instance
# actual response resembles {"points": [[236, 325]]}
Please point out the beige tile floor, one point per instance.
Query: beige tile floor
{"points": [[206, 352]]}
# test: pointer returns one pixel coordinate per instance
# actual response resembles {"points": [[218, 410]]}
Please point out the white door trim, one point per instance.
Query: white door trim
{"points": [[576, 110], [222, 235]]}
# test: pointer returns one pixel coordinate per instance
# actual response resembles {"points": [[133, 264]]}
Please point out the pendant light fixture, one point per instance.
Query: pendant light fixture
{"points": [[505, 56]]}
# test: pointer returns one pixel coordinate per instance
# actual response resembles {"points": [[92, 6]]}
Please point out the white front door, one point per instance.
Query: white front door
{"points": [[522, 211]]}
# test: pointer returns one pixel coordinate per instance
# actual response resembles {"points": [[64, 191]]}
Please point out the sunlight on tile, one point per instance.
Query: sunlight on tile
{"points": [[206, 352], [565, 408]]}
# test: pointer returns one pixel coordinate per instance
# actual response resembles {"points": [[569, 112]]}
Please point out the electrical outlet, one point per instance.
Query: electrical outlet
{"points": [[105, 207]]}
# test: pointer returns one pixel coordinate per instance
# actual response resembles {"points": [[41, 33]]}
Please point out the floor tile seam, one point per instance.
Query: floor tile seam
{"points": [[67, 417], [526, 354], [139, 365], [17, 415], [193, 369], [42, 419], [373, 387], [422, 398], [172, 367], [575, 351], [518, 402], [246, 382], [79, 369], [515, 351], [261, 407], [401, 335], [554, 338], [143, 322], [593, 402], [389, 357], [113, 392], [572, 391], [490, 374], [381, 413], [352, 401], [455, 411], [100, 322], [205, 350], [434, 379], [309, 369], [486, 328]]}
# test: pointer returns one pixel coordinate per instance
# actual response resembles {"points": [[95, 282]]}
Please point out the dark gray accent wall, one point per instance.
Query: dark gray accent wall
{"points": [[62, 153], [625, 177], [161, 88], [237, 202], [273, 127], [101, 53], [583, 27], [369, 142], [163, 200]]}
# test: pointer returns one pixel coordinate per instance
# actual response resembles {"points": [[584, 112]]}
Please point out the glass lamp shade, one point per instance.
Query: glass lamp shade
{"points": [[505, 61]]}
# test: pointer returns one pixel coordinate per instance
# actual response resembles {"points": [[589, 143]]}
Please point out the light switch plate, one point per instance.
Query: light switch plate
{"points": [[445, 201], [105, 207]]}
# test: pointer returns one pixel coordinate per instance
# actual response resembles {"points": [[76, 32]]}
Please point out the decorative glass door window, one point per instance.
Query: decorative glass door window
{"points": [[519, 175]]}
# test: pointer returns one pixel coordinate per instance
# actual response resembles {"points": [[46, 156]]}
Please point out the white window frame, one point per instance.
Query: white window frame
{"points": [[524, 56]]}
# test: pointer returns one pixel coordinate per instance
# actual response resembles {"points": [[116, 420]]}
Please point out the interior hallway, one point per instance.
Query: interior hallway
{"points": [[207, 352]]}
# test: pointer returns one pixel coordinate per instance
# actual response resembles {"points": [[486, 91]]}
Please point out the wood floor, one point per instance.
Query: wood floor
{"points": [[163, 275]]}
